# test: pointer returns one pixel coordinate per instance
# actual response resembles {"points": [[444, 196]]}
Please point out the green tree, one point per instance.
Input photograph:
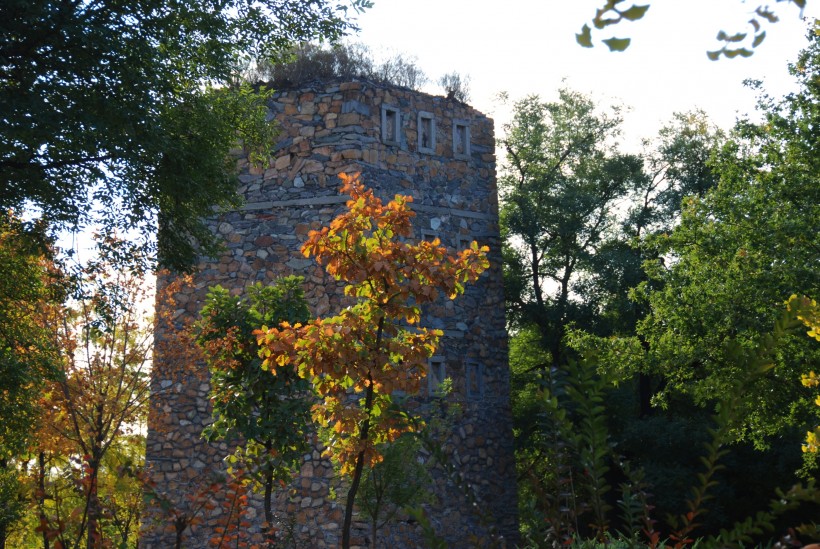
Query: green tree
{"points": [[560, 188], [740, 251], [676, 163], [270, 414], [126, 104], [357, 359], [396, 483]]}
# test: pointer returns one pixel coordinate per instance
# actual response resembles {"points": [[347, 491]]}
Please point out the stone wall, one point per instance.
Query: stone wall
{"points": [[439, 151]]}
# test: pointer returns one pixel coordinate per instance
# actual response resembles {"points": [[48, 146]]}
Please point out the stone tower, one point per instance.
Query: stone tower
{"points": [[441, 152]]}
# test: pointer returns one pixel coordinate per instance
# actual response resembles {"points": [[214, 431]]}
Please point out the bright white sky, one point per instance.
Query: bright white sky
{"points": [[528, 46]]}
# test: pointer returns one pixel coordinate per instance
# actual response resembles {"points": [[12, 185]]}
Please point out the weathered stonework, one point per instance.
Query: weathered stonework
{"points": [[328, 129]]}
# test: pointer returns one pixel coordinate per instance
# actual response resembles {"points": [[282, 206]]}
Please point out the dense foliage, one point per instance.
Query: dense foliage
{"points": [[269, 414], [116, 112], [716, 237]]}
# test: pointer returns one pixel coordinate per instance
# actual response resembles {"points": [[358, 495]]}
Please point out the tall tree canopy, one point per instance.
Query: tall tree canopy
{"points": [[560, 188], [740, 251], [110, 101]]}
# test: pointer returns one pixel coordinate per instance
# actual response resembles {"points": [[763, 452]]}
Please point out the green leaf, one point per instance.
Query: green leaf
{"points": [[617, 44], [635, 12], [759, 39], [584, 39], [723, 37], [743, 52], [766, 14], [714, 55]]}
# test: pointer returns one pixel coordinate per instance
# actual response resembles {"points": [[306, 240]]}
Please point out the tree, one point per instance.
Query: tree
{"points": [[30, 289], [270, 414], [376, 346], [29, 286], [100, 396], [456, 86], [116, 111], [397, 482], [738, 252], [677, 166], [564, 178], [740, 44]]}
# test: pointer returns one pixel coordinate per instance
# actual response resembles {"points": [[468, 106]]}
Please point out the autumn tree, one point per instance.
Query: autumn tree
{"points": [[30, 288], [269, 414], [100, 396], [357, 359]]}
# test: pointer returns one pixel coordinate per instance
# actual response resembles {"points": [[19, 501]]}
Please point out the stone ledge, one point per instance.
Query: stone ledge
{"points": [[332, 200]]}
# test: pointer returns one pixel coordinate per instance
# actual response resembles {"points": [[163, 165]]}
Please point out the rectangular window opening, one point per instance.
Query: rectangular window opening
{"points": [[436, 373], [391, 125], [427, 132], [429, 236], [474, 379], [463, 241], [461, 139]]}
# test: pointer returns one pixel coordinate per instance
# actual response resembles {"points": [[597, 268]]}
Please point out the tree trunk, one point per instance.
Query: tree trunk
{"points": [[93, 504], [180, 524], [3, 524], [645, 395], [357, 471], [41, 497], [268, 530]]}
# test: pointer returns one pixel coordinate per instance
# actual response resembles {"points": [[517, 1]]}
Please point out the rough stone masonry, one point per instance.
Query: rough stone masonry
{"points": [[441, 152]]}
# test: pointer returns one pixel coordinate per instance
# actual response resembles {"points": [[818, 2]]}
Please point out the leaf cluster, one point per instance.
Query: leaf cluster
{"points": [[268, 414], [739, 44]]}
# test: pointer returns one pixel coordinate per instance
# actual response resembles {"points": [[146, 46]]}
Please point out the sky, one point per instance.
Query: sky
{"points": [[527, 47]]}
